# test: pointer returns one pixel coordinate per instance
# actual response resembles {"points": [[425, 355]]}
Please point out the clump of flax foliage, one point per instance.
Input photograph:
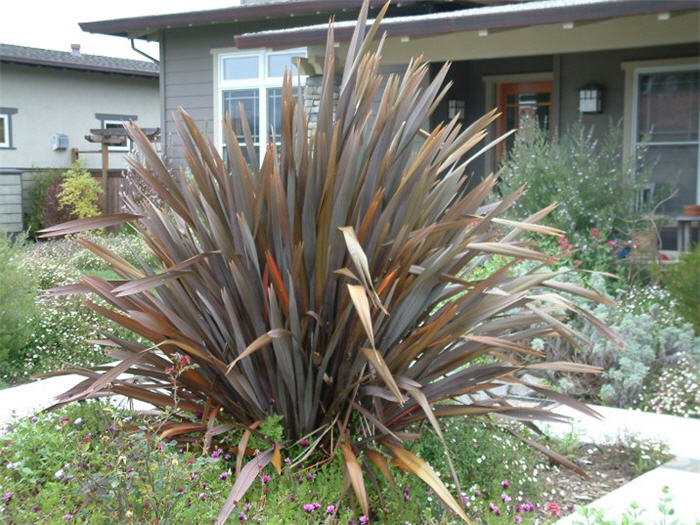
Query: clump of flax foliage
{"points": [[330, 276]]}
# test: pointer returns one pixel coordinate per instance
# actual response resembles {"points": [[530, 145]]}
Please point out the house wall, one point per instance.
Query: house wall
{"points": [[569, 72], [50, 100]]}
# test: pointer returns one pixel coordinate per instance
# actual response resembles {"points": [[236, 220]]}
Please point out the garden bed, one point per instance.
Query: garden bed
{"points": [[91, 462]]}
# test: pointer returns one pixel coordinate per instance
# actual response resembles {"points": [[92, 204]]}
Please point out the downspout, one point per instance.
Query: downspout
{"points": [[149, 57]]}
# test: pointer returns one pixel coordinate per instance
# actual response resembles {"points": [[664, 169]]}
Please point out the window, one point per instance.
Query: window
{"points": [[254, 79], [4, 131], [665, 120], [125, 145], [6, 127]]}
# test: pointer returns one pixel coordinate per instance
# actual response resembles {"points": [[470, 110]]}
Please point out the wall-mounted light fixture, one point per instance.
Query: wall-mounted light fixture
{"points": [[454, 107], [590, 99]]}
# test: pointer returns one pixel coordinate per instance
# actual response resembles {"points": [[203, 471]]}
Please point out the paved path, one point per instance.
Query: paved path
{"points": [[681, 476]]}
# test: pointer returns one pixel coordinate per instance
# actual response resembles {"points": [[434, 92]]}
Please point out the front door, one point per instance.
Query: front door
{"points": [[522, 106]]}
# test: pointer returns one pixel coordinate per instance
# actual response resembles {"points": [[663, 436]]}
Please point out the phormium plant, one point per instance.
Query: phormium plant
{"points": [[326, 283]]}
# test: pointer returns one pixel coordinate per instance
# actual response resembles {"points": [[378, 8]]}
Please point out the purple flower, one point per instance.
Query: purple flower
{"points": [[304, 442], [309, 476], [35, 508], [308, 507], [406, 495], [180, 490], [330, 509], [505, 483], [202, 496], [287, 461], [7, 496], [521, 508], [364, 520], [316, 505], [492, 507], [292, 498], [227, 457], [242, 517], [217, 453], [68, 517], [518, 519], [272, 401], [247, 507], [223, 476], [265, 479], [477, 493], [505, 497]]}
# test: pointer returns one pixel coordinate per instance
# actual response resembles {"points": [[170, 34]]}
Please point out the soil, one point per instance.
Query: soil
{"points": [[608, 467]]}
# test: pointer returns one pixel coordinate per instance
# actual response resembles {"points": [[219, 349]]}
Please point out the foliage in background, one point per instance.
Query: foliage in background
{"points": [[309, 287], [80, 192], [598, 193], [37, 196], [655, 335], [676, 389], [17, 293], [682, 279], [59, 328]]}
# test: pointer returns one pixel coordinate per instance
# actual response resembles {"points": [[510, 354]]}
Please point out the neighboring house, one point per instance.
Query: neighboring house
{"points": [[556, 60], [49, 101]]}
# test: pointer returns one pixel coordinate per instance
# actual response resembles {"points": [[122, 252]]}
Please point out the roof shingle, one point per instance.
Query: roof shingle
{"points": [[61, 59]]}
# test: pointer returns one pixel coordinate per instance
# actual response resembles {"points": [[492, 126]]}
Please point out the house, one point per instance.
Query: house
{"points": [[49, 101], [556, 60]]}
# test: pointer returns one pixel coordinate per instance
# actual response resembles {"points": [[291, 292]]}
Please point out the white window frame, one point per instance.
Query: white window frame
{"points": [[262, 83], [127, 146], [634, 71], [6, 130]]}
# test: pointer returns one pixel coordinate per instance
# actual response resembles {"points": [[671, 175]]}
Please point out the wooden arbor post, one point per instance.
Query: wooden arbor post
{"points": [[112, 137]]}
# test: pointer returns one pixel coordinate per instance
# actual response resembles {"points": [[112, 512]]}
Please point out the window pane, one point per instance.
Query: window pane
{"points": [[240, 68], [3, 123], [667, 109], [274, 112], [277, 63], [674, 167], [251, 104]]}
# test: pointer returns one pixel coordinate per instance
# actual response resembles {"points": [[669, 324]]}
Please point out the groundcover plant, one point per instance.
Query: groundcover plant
{"points": [[328, 283]]}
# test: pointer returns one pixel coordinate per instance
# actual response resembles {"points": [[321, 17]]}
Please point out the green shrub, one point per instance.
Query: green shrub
{"points": [[655, 337], [80, 192], [596, 191], [37, 199], [17, 293], [682, 280]]}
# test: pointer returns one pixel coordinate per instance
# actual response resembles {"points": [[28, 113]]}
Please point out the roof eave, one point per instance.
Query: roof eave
{"points": [[78, 67], [139, 27], [422, 27]]}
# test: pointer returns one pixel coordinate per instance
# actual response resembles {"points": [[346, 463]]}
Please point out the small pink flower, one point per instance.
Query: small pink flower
{"points": [[517, 519], [505, 483], [330, 509], [202, 496], [217, 453], [184, 360], [247, 507], [309, 476], [265, 479], [223, 476], [308, 507], [594, 232], [304, 442], [612, 243], [35, 508], [170, 370], [316, 505], [292, 498], [68, 517], [576, 262], [364, 520], [505, 497], [7, 496], [242, 517]]}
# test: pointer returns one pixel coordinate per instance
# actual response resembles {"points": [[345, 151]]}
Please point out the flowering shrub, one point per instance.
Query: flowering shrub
{"points": [[596, 191], [79, 192], [675, 391]]}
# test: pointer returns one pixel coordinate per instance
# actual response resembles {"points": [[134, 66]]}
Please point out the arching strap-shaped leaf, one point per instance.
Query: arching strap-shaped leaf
{"points": [[359, 260], [354, 471], [377, 361], [259, 343], [90, 223], [379, 460], [243, 482], [420, 468]]}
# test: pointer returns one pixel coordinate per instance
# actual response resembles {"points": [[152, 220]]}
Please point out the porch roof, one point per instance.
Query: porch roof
{"points": [[513, 15]]}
